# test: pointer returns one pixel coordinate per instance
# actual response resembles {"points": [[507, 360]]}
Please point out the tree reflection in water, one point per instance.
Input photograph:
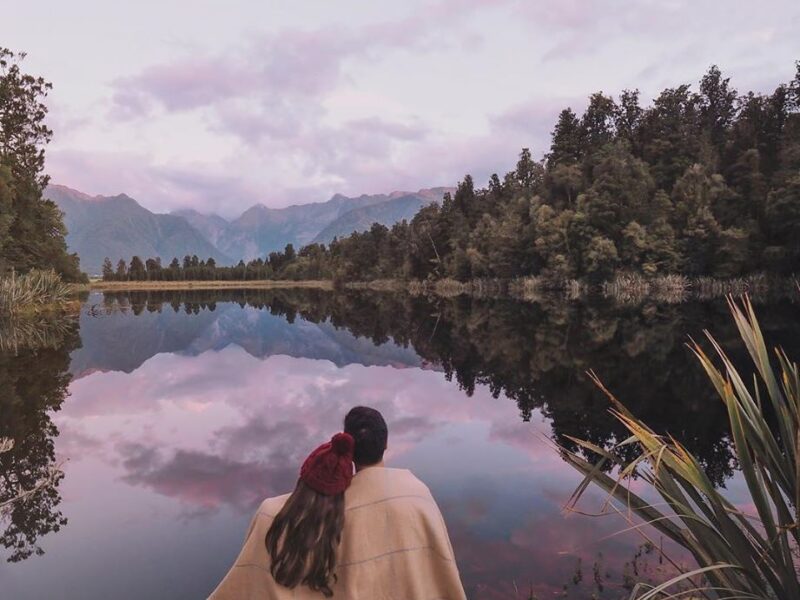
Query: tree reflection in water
{"points": [[536, 354], [34, 363]]}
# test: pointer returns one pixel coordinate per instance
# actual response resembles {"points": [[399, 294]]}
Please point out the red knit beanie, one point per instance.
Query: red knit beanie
{"points": [[329, 469]]}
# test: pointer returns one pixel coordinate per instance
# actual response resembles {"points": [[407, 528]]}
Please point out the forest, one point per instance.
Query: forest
{"points": [[699, 183]]}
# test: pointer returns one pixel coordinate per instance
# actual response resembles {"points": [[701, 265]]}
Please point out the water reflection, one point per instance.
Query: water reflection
{"points": [[34, 376], [533, 353], [187, 409]]}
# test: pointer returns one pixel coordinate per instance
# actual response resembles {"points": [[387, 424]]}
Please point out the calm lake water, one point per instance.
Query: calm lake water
{"points": [[174, 414]]}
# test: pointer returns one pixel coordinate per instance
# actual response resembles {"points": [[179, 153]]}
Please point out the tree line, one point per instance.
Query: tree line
{"points": [[699, 183], [192, 268]]}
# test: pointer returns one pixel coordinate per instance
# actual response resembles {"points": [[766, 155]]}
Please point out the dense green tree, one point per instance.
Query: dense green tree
{"points": [[153, 268], [783, 222], [529, 175], [693, 195], [108, 269], [122, 270], [671, 130], [552, 242], [717, 107], [567, 145], [628, 120], [598, 123], [137, 270], [32, 229], [566, 182], [620, 193]]}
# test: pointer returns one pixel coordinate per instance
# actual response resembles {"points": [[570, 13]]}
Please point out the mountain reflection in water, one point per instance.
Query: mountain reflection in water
{"points": [[187, 408]]}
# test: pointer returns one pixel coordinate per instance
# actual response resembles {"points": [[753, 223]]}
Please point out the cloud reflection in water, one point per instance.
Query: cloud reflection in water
{"points": [[215, 433]]}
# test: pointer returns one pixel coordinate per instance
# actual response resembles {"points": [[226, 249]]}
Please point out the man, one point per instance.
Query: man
{"points": [[394, 542]]}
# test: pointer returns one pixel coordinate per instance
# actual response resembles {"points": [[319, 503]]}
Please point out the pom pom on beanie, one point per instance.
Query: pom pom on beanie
{"points": [[329, 469], [343, 444]]}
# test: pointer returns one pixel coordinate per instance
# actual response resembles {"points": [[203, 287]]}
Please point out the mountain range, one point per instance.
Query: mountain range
{"points": [[119, 227]]}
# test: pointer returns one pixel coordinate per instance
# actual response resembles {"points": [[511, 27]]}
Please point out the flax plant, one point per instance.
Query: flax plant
{"points": [[744, 551], [31, 291]]}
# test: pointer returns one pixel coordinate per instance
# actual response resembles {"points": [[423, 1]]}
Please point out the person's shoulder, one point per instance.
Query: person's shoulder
{"points": [[389, 483], [407, 479], [272, 506]]}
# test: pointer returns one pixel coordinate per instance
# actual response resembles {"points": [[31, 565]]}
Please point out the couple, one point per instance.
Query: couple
{"points": [[375, 535]]}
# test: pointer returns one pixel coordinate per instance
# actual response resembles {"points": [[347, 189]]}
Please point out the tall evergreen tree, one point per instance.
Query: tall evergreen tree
{"points": [[598, 122], [108, 269], [567, 144], [32, 229], [717, 106], [122, 271], [136, 270]]}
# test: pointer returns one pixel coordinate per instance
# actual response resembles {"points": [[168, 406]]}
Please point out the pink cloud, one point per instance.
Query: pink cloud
{"points": [[288, 64]]}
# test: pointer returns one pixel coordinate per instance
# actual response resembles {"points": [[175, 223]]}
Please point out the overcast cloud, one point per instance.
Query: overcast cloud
{"points": [[218, 107]]}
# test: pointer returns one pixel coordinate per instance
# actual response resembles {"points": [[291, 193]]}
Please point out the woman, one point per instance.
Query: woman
{"points": [[306, 533], [303, 534]]}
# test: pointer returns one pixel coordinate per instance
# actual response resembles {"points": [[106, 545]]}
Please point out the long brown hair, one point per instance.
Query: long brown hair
{"points": [[303, 539]]}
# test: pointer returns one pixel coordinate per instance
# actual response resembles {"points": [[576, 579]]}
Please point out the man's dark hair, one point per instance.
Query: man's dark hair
{"points": [[368, 428]]}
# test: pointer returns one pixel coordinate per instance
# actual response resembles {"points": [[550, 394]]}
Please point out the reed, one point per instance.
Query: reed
{"points": [[448, 288], [634, 288], [756, 285], [451, 288], [32, 291], [747, 550], [377, 285], [33, 332], [574, 289], [526, 287]]}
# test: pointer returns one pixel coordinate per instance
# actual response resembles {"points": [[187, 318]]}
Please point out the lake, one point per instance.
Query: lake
{"points": [[172, 414]]}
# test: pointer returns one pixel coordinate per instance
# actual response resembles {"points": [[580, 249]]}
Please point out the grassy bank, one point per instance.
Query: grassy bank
{"points": [[32, 307], [34, 292], [627, 288], [121, 286]]}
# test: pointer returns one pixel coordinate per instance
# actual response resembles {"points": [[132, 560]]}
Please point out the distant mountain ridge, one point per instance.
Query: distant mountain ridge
{"points": [[400, 206], [119, 227]]}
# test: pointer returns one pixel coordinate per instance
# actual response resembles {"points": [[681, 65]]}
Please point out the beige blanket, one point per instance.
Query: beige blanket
{"points": [[394, 547]]}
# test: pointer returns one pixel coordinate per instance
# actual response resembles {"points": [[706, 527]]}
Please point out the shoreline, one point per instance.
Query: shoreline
{"points": [[123, 286], [625, 288]]}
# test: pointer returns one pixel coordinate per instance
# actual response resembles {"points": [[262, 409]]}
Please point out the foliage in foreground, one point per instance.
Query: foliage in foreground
{"points": [[31, 291], [746, 550]]}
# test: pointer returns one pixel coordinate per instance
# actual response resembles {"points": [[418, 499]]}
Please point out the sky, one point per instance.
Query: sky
{"points": [[220, 105]]}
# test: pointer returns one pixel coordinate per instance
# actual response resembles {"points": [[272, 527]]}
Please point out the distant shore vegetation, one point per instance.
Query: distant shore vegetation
{"points": [[700, 184]]}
